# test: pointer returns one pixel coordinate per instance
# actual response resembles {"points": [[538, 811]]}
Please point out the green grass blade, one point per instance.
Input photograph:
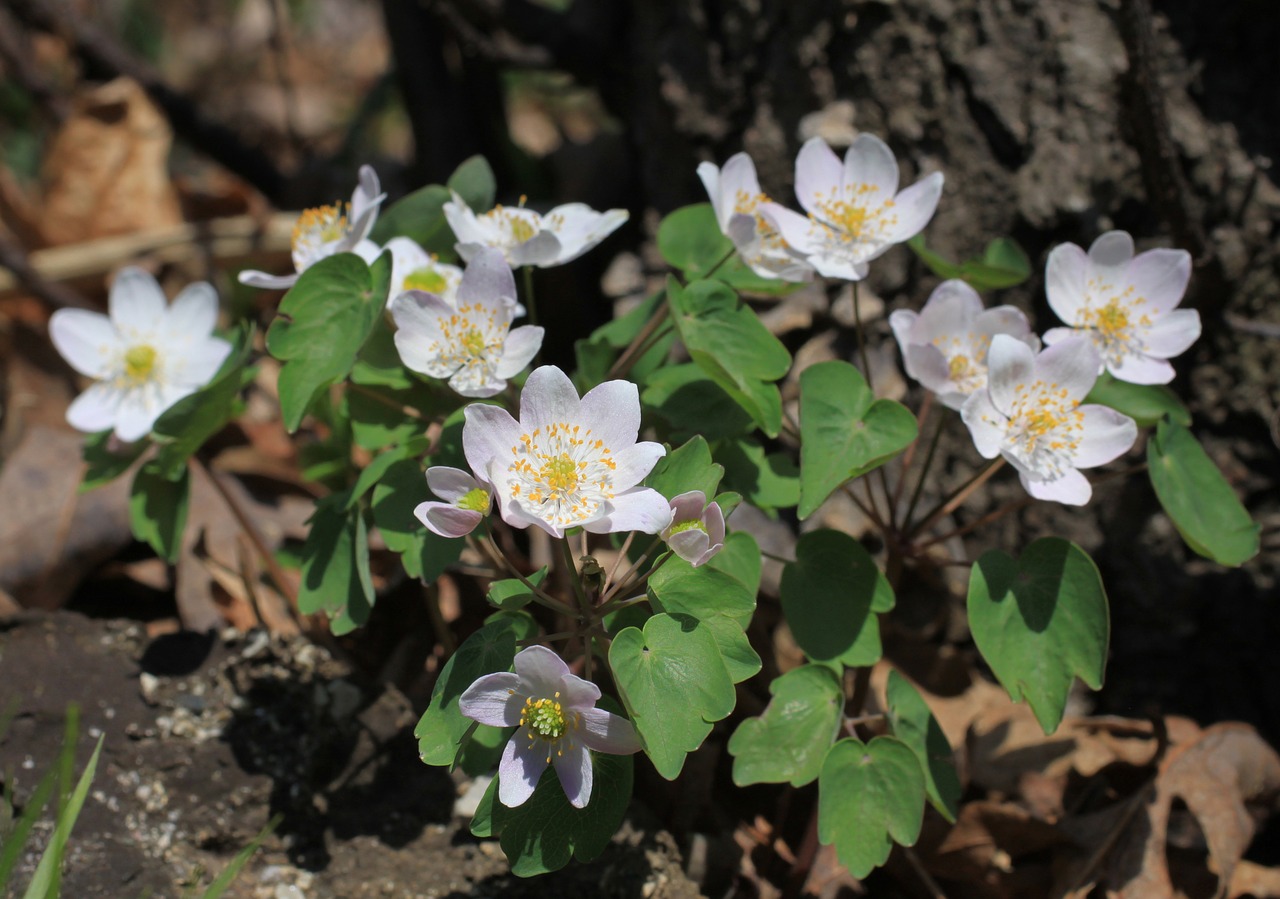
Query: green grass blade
{"points": [[48, 876], [17, 840], [229, 873]]}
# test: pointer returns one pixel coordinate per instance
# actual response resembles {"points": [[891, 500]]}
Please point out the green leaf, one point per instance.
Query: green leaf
{"points": [[732, 346], [378, 416], [1040, 620], [690, 239], [674, 684], [425, 554], [511, 594], [488, 650], [236, 865], [419, 217], [335, 565], [717, 599], [378, 363], [869, 797], [913, 723], [185, 427], [158, 509], [1144, 403], [597, 353], [685, 469], [546, 832], [829, 594], [480, 754], [103, 465], [1198, 499], [1003, 264], [48, 870], [373, 472], [474, 182], [324, 321], [767, 480], [844, 430], [741, 559], [787, 744], [693, 404]]}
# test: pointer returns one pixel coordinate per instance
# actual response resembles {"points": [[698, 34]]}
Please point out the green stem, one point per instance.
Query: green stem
{"points": [[495, 555], [958, 496], [616, 604], [924, 474], [530, 302], [571, 569], [862, 339], [617, 587]]}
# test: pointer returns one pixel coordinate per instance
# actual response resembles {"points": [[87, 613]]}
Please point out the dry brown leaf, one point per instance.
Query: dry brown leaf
{"points": [[1254, 880], [50, 535], [106, 170]]}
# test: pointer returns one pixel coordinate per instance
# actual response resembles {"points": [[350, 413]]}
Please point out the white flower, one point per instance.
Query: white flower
{"points": [[467, 502], [470, 343], [413, 268], [326, 231], [558, 722], [1030, 413], [696, 532], [944, 347], [855, 209], [1125, 304], [145, 355], [736, 197], [568, 462], [527, 238]]}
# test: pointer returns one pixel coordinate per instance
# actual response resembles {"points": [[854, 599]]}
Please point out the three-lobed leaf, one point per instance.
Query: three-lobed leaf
{"points": [[324, 320], [844, 430], [1040, 620], [1198, 499], [830, 595], [870, 795], [675, 684], [788, 742]]}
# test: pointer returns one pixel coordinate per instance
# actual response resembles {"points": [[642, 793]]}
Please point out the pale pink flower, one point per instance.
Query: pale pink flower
{"points": [[466, 502], [1125, 304], [558, 722], [526, 237], [1030, 414], [696, 532]]}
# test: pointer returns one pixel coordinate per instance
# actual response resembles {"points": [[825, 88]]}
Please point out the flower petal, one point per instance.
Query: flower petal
{"points": [[870, 162], [136, 304], [1072, 489], [634, 464], [688, 506], [520, 769], [87, 340], [489, 432], [1072, 365], [137, 412], [573, 767], [819, 174], [606, 732], [689, 545], [1172, 333], [1105, 434], [194, 312], [709, 175], [1111, 250], [95, 409], [639, 509], [902, 322], [1066, 279], [549, 397], [520, 348], [578, 227], [418, 338], [1139, 369], [543, 250], [1160, 277], [577, 693], [985, 422], [948, 313], [450, 484], [487, 278], [192, 364], [495, 700], [799, 232], [541, 671], [447, 520], [914, 207], [1010, 363], [266, 281], [1057, 335], [612, 411]]}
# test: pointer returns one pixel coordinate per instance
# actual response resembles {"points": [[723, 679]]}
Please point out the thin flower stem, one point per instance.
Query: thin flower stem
{"points": [[776, 558], [571, 569], [636, 348], [924, 475], [862, 339], [1007, 509], [869, 512], [617, 587], [495, 555], [547, 638], [616, 604], [622, 554], [958, 496], [530, 302], [643, 580], [909, 456], [388, 402]]}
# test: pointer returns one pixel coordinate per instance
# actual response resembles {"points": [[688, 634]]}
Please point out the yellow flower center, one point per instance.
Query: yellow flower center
{"points": [[323, 224], [959, 367], [1045, 427], [1112, 320], [522, 230], [139, 361], [853, 213], [473, 342], [544, 717], [694, 525], [426, 279], [475, 500], [560, 474]]}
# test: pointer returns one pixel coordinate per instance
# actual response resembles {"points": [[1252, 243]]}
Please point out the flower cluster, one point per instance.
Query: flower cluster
{"points": [[144, 355], [527, 238], [854, 211]]}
